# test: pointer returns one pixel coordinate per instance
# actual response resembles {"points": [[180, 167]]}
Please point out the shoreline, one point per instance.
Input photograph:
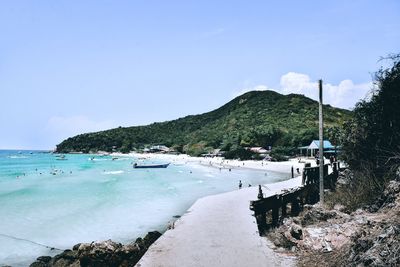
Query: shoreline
{"points": [[220, 162]]}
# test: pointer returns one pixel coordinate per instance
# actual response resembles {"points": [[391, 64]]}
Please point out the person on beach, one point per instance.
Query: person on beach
{"points": [[240, 184], [331, 160], [260, 193]]}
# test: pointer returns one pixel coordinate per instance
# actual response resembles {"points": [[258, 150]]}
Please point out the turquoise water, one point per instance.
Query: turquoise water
{"points": [[59, 203]]}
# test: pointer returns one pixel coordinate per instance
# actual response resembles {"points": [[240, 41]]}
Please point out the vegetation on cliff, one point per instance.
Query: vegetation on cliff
{"points": [[258, 118], [371, 139]]}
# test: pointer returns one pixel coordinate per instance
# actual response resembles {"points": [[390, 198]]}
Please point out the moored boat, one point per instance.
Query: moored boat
{"points": [[136, 166], [60, 157]]}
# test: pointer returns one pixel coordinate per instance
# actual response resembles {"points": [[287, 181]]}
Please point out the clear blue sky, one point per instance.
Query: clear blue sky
{"points": [[68, 67]]}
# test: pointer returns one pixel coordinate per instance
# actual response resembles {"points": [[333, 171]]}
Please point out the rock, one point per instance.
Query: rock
{"points": [[41, 262], [317, 214], [148, 239], [339, 207], [100, 254], [387, 199], [393, 187], [326, 247], [281, 239], [44, 259], [296, 231], [37, 264], [308, 207], [296, 220], [64, 259], [384, 253], [76, 247], [344, 179]]}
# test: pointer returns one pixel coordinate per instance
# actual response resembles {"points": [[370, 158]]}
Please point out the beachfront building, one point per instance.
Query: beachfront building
{"points": [[159, 148], [214, 153], [313, 148], [261, 151]]}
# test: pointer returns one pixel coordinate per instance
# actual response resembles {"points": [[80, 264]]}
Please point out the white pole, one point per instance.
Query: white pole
{"points": [[321, 148]]}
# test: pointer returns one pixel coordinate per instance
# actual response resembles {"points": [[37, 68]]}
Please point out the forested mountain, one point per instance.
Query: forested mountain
{"points": [[257, 118]]}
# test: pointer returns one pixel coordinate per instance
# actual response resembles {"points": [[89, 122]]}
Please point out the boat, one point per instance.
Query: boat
{"points": [[136, 166], [61, 157]]}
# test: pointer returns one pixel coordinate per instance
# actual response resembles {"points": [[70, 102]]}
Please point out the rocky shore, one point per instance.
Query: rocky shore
{"points": [[335, 237], [100, 254]]}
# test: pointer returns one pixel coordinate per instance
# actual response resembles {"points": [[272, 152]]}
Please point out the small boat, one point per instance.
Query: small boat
{"points": [[61, 157], [136, 166]]}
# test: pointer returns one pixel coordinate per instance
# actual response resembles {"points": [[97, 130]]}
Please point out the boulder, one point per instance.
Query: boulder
{"points": [[41, 262], [316, 215], [64, 259], [296, 231], [100, 254]]}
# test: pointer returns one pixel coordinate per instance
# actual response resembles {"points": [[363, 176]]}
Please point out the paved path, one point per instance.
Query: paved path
{"points": [[218, 231]]}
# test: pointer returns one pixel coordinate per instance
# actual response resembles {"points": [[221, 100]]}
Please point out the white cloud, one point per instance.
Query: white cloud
{"points": [[343, 95], [63, 127], [297, 83]]}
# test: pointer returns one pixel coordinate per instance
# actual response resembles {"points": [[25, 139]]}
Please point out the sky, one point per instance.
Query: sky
{"points": [[69, 67]]}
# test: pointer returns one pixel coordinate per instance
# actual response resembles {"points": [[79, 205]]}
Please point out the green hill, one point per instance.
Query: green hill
{"points": [[258, 118]]}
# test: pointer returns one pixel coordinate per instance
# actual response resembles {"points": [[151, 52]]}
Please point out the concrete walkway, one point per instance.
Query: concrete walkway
{"points": [[218, 231]]}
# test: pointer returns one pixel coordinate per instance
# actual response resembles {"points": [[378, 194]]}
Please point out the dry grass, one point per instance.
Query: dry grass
{"points": [[362, 189], [331, 259]]}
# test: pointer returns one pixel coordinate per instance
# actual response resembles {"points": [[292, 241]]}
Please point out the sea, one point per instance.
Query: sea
{"points": [[49, 203]]}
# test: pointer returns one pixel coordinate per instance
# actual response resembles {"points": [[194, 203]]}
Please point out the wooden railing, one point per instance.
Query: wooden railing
{"points": [[270, 211]]}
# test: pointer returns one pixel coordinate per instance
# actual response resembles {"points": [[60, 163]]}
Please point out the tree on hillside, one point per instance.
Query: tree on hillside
{"points": [[372, 137]]}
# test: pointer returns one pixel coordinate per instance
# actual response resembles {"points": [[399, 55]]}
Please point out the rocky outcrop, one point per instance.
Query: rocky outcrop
{"points": [[100, 254], [316, 214], [366, 237], [377, 247], [387, 199]]}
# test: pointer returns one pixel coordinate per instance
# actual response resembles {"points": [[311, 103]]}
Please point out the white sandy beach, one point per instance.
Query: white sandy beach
{"points": [[218, 162]]}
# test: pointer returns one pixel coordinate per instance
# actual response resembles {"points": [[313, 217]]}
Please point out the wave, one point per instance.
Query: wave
{"points": [[18, 157], [95, 159], [114, 172]]}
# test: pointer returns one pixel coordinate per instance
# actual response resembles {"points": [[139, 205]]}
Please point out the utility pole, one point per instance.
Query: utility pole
{"points": [[321, 148]]}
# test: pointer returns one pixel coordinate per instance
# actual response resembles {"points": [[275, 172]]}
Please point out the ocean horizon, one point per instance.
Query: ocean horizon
{"points": [[51, 202]]}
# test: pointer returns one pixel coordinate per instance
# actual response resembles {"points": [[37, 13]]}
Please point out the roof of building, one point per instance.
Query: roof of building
{"points": [[315, 144]]}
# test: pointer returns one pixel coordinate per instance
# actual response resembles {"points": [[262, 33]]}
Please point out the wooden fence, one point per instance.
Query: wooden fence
{"points": [[270, 211]]}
